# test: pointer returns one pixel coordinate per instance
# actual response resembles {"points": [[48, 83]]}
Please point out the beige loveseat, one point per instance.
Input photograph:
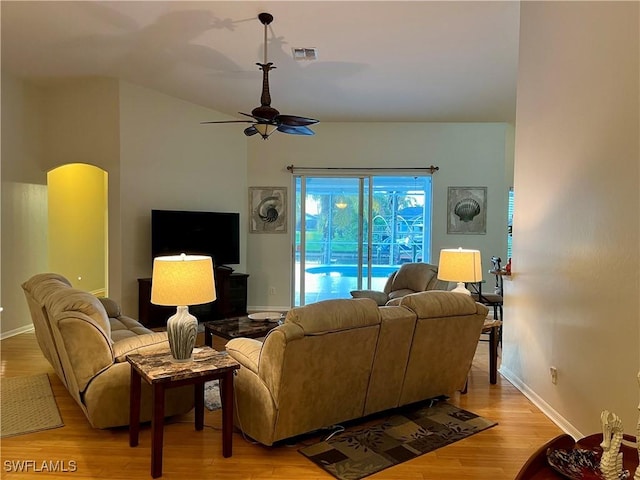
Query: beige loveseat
{"points": [[337, 360], [86, 340]]}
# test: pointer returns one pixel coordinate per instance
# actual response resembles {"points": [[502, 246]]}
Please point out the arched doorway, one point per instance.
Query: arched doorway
{"points": [[78, 225]]}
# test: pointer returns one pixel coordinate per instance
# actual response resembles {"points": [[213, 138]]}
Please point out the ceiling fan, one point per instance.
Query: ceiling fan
{"points": [[265, 119]]}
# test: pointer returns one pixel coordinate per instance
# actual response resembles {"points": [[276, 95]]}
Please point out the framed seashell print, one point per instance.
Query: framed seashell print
{"points": [[267, 209], [467, 210]]}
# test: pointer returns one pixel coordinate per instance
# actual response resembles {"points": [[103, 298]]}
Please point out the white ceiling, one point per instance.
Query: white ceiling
{"points": [[399, 61]]}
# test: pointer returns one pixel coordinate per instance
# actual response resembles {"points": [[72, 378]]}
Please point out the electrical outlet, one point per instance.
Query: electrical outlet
{"points": [[554, 375], [272, 290]]}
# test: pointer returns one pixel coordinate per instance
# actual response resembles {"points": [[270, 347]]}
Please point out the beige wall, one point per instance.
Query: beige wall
{"points": [[191, 166], [473, 154], [170, 161], [573, 299]]}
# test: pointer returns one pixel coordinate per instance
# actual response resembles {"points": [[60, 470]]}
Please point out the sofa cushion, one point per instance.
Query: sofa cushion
{"points": [[413, 276], [438, 303], [379, 297], [246, 351], [73, 300], [111, 307], [400, 293], [124, 327], [335, 315], [140, 343]]}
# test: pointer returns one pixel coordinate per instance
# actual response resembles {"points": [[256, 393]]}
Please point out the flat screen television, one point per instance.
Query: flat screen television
{"points": [[216, 234]]}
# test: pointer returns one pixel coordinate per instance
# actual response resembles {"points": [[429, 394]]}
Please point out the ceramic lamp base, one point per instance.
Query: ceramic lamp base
{"points": [[460, 288], [182, 329]]}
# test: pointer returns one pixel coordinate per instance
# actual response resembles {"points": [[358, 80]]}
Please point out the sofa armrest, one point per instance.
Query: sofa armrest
{"points": [[379, 297], [149, 342], [246, 351]]}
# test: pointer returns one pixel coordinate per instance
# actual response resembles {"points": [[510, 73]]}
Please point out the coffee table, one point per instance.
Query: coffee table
{"points": [[235, 327], [161, 372]]}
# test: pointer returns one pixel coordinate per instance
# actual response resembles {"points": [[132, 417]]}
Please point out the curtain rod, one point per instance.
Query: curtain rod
{"points": [[430, 169]]}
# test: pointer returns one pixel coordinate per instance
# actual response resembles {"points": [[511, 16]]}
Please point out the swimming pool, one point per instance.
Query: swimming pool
{"points": [[352, 270]]}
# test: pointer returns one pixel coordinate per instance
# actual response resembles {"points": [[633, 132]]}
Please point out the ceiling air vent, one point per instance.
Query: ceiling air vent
{"points": [[305, 53]]}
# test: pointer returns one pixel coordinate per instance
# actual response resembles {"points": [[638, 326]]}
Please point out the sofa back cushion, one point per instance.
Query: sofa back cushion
{"points": [[36, 289], [414, 276], [74, 300], [444, 342], [436, 303], [316, 366], [335, 315]]}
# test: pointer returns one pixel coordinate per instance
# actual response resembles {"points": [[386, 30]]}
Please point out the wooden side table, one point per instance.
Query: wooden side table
{"points": [[492, 327], [161, 372]]}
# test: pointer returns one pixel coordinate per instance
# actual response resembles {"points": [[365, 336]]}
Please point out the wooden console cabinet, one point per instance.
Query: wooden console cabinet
{"points": [[231, 293]]}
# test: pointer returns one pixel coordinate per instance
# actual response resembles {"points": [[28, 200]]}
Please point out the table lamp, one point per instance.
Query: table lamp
{"points": [[180, 281], [461, 266]]}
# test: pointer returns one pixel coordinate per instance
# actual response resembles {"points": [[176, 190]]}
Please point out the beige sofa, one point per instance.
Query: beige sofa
{"points": [[337, 360], [86, 340]]}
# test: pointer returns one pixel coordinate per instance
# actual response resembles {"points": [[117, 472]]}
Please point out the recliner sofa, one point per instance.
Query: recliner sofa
{"points": [[86, 340], [409, 278], [338, 360]]}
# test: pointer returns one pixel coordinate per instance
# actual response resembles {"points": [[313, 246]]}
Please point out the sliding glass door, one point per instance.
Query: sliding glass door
{"points": [[353, 231]]}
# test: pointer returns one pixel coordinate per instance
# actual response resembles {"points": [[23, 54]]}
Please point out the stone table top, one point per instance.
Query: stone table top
{"points": [[240, 327], [161, 367]]}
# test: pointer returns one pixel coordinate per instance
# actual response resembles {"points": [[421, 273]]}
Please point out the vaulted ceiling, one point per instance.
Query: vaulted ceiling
{"points": [[399, 61]]}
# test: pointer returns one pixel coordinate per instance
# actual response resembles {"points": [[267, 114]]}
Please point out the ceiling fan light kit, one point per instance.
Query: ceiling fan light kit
{"points": [[265, 119]]}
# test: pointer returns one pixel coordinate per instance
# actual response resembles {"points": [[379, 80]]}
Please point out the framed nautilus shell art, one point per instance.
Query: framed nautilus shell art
{"points": [[267, 209], [467, 210]]}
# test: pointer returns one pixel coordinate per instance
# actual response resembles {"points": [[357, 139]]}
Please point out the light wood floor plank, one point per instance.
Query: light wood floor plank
{"points": [[495, 454]]}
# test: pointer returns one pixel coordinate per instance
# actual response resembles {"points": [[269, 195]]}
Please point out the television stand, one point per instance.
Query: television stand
{"points": [[231, 300]]}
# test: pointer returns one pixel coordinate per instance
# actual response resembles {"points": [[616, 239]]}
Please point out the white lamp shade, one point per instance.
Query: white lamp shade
{"points": [[460, 265], [182, 280]]}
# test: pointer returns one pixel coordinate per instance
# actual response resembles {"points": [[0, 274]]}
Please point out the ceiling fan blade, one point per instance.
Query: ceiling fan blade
{"points": [[295, 130], [229, 121], [249, 131], [295, 121]]}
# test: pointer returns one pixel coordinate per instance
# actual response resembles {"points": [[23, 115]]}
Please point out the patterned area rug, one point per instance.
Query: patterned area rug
{"points": [[212, 395], [27, 405], [362, 451]]}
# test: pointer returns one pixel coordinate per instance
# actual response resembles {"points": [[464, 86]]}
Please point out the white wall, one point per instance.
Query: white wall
{"points": [[24, 200], [474, 154], [169, 161], [573, 300]]}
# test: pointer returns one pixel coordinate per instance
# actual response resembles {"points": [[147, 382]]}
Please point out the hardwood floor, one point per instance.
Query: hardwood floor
{"points": [[495, 454]]}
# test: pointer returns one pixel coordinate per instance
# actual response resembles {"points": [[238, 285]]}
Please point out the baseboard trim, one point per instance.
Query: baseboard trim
{"points": [[544, 407], [16, 331]]}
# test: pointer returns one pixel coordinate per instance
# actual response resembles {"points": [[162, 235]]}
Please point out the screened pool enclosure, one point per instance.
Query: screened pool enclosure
{"points": [[351, 232]]}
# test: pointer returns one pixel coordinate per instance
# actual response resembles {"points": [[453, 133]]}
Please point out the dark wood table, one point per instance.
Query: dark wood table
{"points": [[492, 327], [162, 372], [236, 327], [537, 467]]}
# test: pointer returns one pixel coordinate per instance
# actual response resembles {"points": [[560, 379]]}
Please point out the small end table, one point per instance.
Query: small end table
{"points": [[161, 372], [492, 327]]}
